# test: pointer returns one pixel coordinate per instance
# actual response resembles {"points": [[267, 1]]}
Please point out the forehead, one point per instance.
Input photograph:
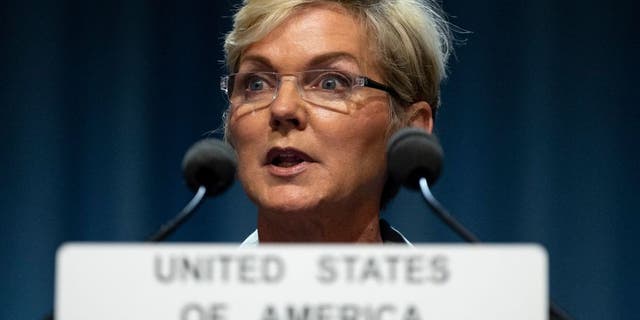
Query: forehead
{"points": [[309, 33]]}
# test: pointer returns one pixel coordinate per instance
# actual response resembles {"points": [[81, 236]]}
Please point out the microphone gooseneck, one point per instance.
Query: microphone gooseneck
{"points": [[414, 158], [170, 226], [208, 168], [444, 215]]}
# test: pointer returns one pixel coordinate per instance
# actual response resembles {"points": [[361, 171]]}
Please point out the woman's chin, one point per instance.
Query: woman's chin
{"points": [[289, 202], [287, 206]]}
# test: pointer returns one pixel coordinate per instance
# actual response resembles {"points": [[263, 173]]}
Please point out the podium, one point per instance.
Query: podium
{"points": [[103, 281]]}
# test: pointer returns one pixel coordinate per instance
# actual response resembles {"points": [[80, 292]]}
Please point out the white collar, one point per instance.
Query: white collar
{"points": [[252, 240]]}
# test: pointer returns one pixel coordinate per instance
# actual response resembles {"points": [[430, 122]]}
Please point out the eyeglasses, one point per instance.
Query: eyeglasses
{"points": [[326, 88]]}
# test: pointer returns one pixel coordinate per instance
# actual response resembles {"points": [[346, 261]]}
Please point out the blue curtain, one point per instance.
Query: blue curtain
{"points": [[100, 99]]}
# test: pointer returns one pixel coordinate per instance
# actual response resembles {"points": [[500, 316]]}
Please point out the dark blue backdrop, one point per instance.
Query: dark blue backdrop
{"points": [[99, 100]]}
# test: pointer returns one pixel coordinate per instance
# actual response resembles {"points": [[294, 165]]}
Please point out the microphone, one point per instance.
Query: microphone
{"points": [[210, 163], [412, 154], [208, 168], [414, 158]]}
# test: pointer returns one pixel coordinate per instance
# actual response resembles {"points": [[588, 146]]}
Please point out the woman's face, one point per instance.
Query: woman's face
{"points": [[294, 156]]}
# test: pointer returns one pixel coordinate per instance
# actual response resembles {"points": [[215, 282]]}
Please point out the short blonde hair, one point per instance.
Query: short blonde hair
{"points": [[412, 40]]}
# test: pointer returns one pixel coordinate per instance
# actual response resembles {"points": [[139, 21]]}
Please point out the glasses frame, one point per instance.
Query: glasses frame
{"points": [[358, 81]]}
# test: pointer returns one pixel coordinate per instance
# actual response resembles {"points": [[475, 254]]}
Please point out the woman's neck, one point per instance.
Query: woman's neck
{"points": [[320, 226]]}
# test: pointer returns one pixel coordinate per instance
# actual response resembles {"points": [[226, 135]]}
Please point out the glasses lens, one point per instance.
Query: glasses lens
{"points": [[327, 88], [253, 90], [323, 88]]}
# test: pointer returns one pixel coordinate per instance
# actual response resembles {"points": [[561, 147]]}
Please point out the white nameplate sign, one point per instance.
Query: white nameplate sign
{"points": [[300, 282]]}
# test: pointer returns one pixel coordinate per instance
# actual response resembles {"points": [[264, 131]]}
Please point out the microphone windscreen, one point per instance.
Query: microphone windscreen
{"points": [[210, 163], [413, 153]]}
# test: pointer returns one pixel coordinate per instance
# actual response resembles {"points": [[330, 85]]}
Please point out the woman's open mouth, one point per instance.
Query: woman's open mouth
{"points": [[287, 161]]}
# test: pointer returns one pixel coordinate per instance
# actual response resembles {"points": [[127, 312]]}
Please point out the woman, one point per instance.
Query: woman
{"points": [[316, 89]]}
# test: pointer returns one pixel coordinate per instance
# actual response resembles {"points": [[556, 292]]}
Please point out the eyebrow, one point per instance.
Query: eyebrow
{"points": [[316, 62], [255, 59], [331, 57]]}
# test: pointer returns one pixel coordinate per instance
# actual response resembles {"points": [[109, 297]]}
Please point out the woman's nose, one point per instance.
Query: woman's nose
{"points": [[288, 110]]}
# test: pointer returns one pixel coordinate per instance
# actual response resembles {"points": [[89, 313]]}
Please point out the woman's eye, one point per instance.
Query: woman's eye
{"points": [[333, 82], [255, 84], [329, 84]]}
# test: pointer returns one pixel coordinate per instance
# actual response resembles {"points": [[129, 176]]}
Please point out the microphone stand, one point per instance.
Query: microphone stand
{"points": [[555, 312], [169, 227], [444, 215]]}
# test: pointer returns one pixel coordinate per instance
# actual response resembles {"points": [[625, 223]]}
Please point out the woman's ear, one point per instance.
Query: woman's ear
{"points": [[419, 115]]}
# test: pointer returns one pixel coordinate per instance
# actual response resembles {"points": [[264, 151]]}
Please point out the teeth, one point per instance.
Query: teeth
{"points": [[287, 164], [286, 157], [286, 160]]}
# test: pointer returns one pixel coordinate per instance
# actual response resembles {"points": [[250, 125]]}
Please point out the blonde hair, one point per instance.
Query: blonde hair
{"points": [[412, 40]]}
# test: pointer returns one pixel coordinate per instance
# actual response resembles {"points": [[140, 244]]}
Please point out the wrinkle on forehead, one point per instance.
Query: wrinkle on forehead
{"points": [[316, 30]]}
